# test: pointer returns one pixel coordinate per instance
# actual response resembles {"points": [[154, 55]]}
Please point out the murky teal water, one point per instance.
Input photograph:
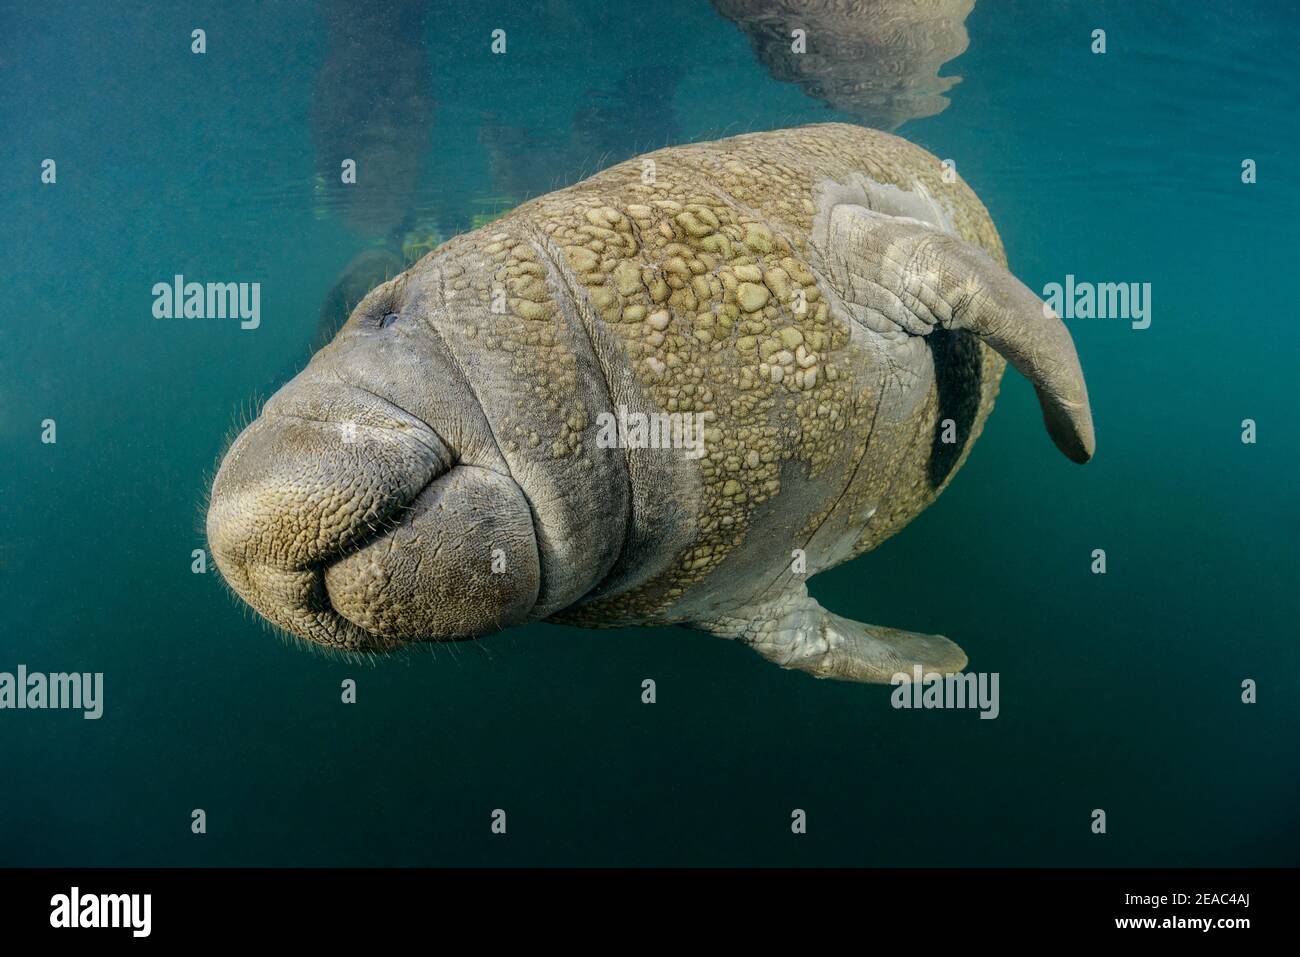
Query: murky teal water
{"points": [[1120, 692]]}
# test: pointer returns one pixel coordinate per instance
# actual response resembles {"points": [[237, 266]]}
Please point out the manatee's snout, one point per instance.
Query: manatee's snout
{"points": [[347, 521]]}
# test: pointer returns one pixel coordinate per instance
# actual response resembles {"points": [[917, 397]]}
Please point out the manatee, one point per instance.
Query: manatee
{"points": [[876, 59], [832, 309], [364, 271], [370, 267]]}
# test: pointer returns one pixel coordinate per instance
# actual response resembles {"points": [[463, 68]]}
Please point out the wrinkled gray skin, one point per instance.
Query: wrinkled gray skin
{"points": [[433, 473], [366, 270]]}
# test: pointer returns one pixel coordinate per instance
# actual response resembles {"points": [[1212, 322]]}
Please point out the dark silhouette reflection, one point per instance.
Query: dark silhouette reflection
{"points": [[634, 115], [876, 59], [372, 103]]}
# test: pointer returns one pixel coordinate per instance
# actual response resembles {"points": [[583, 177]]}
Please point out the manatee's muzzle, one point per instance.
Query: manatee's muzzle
{"points": [[345, 520]]}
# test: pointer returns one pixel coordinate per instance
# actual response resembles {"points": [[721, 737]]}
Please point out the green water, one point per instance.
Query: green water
{"points": [[1119, 691]]}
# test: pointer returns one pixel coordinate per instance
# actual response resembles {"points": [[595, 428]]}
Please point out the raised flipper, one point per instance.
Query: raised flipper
{"points": [[796, 632], [922, 278]]}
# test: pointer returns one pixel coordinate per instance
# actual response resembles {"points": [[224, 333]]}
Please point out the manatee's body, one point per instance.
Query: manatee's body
{"points": [[817, 295]]}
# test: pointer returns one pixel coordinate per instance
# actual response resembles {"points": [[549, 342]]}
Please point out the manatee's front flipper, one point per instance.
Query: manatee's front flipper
{"points": [[922, 278], [796, 632]]}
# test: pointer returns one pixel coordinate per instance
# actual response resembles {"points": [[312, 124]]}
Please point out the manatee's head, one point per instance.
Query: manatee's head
{"points": [[352, 512]]}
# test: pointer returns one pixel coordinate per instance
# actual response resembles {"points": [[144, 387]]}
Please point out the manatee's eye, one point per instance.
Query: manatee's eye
{"points": [[387, 320]]}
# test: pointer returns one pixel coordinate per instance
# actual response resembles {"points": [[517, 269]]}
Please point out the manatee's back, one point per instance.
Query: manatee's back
{"points": [[695, 260]]}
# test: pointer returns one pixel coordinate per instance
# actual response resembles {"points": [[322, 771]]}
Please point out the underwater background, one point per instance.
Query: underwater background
{"points": [[1119, 691]]}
